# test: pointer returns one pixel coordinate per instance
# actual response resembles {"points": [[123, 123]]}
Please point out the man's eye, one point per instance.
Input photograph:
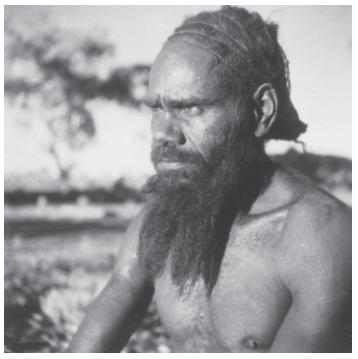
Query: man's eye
{"points": [[193, 110]]}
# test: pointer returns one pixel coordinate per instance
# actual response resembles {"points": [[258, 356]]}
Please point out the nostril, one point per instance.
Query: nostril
{"points": [[182, 139], [171, 144], [167, 144]]}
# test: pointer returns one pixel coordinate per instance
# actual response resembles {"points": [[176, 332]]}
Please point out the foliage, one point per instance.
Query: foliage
{"points": [[54, 70], [49, 283], [52, 73]]}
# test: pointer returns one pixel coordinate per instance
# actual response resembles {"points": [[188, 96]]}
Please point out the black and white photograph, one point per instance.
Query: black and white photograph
{"points": [[177, 178]]}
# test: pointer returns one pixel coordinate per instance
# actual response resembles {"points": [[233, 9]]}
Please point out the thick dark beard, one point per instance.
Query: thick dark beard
{"points": [[191, 213]]}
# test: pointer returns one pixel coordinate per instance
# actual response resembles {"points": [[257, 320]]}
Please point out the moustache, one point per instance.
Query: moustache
{"points": [[170, 153]]}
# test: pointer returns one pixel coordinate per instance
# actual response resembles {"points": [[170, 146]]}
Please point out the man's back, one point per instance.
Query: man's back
{"points": [[286, 268]]}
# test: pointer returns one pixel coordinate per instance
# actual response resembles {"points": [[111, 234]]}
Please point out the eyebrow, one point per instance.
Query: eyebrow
{"points": [[180, 102]]}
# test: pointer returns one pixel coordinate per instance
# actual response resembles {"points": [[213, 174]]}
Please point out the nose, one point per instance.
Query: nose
{"points": [[167, 129]]}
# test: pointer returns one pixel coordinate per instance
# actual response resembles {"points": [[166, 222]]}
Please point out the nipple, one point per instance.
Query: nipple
{"points": [[251, 343]]}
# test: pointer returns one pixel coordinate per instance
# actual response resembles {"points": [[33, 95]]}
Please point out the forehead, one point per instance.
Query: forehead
{"points": [[183, 70]]}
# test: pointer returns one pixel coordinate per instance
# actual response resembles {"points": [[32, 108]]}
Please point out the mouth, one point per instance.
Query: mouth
{"points": [[167, 165]]}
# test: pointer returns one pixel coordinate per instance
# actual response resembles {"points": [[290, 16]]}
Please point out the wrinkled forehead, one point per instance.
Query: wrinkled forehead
{"points": [[183, 70]]}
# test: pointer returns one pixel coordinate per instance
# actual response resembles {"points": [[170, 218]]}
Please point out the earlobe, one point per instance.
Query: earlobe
{"points": [[266, 102]]}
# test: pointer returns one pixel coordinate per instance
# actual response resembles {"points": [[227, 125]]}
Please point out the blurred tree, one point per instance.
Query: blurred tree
{"points": [[58, 72]]}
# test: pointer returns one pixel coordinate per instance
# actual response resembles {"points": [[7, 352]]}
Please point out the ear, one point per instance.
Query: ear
{"points": [[266, 102]]}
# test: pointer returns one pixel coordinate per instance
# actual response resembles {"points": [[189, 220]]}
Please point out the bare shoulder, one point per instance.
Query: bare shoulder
{"points": [[314, 217], [316, 242], [318, 219]]}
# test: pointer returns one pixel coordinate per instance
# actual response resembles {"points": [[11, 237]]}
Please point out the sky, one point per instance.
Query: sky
{"points": [[317, 41]]}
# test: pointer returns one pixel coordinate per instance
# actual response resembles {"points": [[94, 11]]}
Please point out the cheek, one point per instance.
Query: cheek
{"points": [[204, 134]]}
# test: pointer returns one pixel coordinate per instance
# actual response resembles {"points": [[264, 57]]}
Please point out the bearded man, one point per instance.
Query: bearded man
{"points": [[239, 254]]}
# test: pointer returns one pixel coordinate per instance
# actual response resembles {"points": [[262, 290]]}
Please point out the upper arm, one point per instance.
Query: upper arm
{"points": [[118, 309], [127, 265], [316, 269]]}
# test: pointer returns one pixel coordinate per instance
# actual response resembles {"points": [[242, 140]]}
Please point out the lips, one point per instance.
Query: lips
{"points": [[168, 165]]}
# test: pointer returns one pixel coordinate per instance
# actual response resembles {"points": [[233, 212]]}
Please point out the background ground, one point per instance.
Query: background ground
{"points": [[50, 279]]}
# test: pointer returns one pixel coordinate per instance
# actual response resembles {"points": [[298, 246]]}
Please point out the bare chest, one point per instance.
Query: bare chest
{"points": [[247, 304]]}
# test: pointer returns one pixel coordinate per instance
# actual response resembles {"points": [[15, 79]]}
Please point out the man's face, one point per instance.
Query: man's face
{"points": [[190, 107]]}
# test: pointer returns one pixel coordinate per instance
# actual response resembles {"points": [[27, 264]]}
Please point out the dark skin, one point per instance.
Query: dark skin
{"points": [[285, 278]]}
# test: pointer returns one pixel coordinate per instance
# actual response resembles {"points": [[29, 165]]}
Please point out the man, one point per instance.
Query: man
{"points": [[239, 254]]}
